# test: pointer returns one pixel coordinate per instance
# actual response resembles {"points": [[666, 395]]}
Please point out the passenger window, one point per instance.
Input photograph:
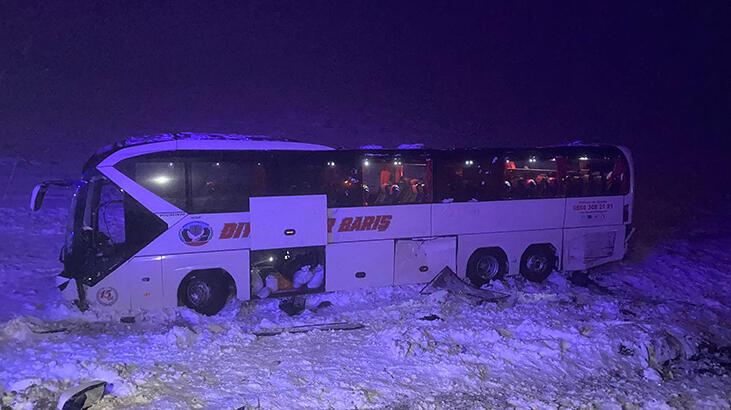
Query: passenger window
{"points": [[532, 175], [618, 178], [225, 185], [341, 182], [334, 174], [391, 181], [477, 176], [164, 178], [597, 174]]}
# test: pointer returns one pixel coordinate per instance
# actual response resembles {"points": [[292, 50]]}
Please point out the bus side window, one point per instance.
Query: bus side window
{"points": [[531, 175], [476, 177], [393, 180], [164, 178], [618, 178], [223, 185], [314, 173], [597, 174], [340, 179]]}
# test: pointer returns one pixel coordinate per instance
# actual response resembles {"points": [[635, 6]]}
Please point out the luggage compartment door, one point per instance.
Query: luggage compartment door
{"points": [[419, 260], [353, 265], [585, 248], [288, 221]]}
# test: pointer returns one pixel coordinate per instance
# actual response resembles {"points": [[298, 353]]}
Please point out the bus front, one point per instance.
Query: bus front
{"points": [[106, 227]]}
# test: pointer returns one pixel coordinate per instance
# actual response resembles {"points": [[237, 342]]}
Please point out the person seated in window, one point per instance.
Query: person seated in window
{"points": [[575, 185], [420, 192], [407, 193], [542, 183], [353, 194], [616, 178], [365, 195], [519, 188], [383, 194], [531, 188], [596, 183], [552, 186], [394, 193]]}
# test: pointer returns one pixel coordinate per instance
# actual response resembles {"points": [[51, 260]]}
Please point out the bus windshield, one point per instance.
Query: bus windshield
{"points": [[106, 227]]}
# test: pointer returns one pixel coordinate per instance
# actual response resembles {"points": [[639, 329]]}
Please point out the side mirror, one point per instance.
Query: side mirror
{"points": [[36, 197], [39, 192], [82, 397]]}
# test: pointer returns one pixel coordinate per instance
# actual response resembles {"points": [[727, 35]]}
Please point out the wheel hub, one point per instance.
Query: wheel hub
{"points": [[488, 267], [536, 263], [198, 293]]}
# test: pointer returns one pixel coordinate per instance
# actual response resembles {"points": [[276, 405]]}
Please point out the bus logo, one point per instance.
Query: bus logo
{"points": [[196, 233], [107, 296]]}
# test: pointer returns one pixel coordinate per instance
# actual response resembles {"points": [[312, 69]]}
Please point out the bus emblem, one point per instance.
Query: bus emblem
{"points": [[107, 296], [196, 233]]}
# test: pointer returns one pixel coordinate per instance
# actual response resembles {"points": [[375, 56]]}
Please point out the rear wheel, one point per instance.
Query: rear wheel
{"points": [[537, 263], [486, 265], [205, 292]]}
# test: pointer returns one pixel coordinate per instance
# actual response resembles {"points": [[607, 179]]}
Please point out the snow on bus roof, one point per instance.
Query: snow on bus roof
{"points": [[187, 140], [194, 136]]}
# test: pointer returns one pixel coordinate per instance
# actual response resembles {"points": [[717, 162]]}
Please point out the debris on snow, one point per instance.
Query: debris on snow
{"points": [[309, 328], [447, 279], [83, 396]]}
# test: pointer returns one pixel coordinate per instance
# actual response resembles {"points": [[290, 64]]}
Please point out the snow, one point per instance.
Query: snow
{"points": [[411, 146], [652, 331]]}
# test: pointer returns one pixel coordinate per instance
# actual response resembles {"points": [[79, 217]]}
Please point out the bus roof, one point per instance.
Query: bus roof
{"points": [[193, 140]]}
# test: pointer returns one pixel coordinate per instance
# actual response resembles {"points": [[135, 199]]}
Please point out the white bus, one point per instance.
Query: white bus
{"points": [[194, 220]]}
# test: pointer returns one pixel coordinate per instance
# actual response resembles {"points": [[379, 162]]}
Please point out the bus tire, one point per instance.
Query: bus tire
{"points": [[486, 264], [538, 262], [205, 291]]}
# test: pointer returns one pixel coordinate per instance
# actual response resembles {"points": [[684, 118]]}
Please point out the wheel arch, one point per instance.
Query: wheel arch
{"points": [[232, 289], [176, 267]]}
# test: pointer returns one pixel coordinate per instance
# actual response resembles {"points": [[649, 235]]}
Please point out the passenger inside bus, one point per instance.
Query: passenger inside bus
{"points": [[394, 181], [476, 178], [596, 175], [530, 175]]}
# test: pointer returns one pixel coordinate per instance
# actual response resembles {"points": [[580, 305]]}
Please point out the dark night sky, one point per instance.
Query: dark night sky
{"points": [[349, 73]]}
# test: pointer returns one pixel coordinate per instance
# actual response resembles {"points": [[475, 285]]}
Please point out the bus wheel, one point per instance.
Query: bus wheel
{"points": [[205, 291], [486, 264], [538, 262]]}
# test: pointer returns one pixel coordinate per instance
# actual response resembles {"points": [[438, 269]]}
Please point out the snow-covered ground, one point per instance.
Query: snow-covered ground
{"points": [[653, 331]]}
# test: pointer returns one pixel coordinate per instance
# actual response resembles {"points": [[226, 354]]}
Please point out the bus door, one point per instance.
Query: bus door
{"points": [[288, 245], [106, 233]]}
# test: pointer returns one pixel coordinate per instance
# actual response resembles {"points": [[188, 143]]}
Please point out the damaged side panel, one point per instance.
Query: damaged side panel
{"points": [[585, 248]]}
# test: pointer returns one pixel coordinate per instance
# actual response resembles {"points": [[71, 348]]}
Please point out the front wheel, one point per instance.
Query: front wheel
{"points": [[205, 292], [537, 263]]}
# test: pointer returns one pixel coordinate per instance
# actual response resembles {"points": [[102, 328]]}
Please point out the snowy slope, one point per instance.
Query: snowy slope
{"points": [[650, 332]]}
